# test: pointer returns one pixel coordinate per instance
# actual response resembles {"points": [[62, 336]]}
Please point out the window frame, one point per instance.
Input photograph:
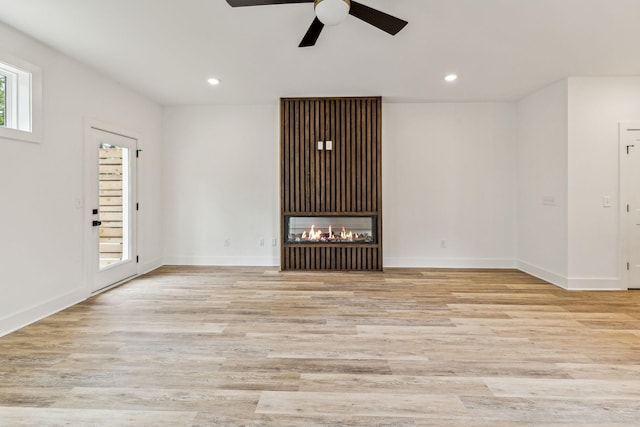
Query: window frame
{"points": [[23, 100]]}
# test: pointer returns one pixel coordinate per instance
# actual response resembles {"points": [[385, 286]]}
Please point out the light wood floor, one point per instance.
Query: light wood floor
{"points": [[254, 347]]}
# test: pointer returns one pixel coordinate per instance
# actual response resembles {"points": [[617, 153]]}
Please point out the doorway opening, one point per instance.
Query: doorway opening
{"points": [[111, 181], [630, 204]]}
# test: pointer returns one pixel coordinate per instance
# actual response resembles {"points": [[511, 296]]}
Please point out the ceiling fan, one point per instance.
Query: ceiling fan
{"points": [[332, 12]]}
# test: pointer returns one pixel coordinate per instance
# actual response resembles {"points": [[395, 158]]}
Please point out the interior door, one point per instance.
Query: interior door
{"points": [[111, 202], [630, 180]]}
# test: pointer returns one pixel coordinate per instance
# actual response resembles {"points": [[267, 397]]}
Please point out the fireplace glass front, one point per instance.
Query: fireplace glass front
{"points": [[331, 229]]}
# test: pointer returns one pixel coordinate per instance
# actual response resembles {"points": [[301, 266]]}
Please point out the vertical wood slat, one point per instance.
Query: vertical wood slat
{"points": [[309, 155], [355, 164], [331, 166], [298, 137], [367, 150], [345, 180], [322, 120], [347, 152], [360, 198], [284, 155], [323, 156], [378, 164], [284, 173], [343, 157], [295, 158], [339, 157], [374, 161], [365, 142]]}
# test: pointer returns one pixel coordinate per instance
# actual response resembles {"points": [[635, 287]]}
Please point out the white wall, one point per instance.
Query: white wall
{"points": [[596, 106], [542, 173], [221, 182], [42, 239], [449, 174]]}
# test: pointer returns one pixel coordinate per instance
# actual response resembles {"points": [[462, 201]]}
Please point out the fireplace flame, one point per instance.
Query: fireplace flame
{"points": [[318, 235]]}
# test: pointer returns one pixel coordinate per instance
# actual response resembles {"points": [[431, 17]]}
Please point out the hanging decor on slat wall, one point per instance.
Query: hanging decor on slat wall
{"points": [[331, 175]]}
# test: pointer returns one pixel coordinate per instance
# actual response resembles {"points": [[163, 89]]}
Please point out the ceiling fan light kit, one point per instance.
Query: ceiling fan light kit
{"points": [[333, 12]]}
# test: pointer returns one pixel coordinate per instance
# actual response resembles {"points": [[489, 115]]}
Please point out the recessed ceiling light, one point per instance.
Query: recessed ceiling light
{"points": [[213, 81], [451, 77]]}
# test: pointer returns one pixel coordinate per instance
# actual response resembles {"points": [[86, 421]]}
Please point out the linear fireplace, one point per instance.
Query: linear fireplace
{"points": [[331, 229], [331, 184]]}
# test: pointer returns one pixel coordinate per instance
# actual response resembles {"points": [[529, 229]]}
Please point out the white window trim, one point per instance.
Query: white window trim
{"points": [[26, 114]]}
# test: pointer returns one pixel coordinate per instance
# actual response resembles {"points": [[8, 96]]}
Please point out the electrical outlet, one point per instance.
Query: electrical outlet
{"points": [[443, 244], [227, 242], [262, 241]]}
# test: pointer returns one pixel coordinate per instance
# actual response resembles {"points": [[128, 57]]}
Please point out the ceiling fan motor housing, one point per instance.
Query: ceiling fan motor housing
{"points": [[332, 12]]}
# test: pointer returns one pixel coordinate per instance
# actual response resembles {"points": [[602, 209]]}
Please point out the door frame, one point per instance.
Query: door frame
{"points": [[624, 219], [88, 217]]}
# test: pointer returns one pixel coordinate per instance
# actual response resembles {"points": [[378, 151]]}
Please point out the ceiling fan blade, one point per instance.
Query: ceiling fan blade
{"points": [[313, 33], [381, 20], [240, 3]]}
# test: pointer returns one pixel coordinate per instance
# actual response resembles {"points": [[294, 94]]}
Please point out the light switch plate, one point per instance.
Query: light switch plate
{"points": [[320, 145], [329, 145], [549, 201]]}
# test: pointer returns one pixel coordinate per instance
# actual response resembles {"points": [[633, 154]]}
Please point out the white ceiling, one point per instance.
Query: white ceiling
{"points": [[502, 49]]}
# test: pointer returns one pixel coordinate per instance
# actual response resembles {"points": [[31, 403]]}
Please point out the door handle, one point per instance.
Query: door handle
{"points": [[96, 223]]}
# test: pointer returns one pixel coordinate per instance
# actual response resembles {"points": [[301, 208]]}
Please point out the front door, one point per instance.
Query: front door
{"points": [[630, 189], [111, 201]]}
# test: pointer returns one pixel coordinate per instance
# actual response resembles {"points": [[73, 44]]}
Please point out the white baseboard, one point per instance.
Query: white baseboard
{"points": [[595, 284], [149, 266], [541, 273], [573, 283], [19, 320], [223, 261], [402, 262]]}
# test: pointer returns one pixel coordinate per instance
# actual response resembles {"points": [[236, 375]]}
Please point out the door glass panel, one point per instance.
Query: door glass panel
{"points": [[113, 208]]}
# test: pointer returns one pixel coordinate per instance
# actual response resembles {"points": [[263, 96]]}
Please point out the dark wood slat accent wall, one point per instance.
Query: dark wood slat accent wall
{"points": [[345, 181]]}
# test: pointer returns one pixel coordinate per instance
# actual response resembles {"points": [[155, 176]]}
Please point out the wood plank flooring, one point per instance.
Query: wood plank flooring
{"points": [[203, 346]]}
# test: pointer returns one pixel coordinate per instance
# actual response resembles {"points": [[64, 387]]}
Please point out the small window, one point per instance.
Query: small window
{"points": [[20, 100]]}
